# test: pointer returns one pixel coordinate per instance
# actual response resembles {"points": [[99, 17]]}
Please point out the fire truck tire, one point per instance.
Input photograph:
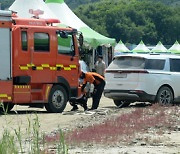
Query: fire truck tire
{"points": [[57, 99], [6, 107]]}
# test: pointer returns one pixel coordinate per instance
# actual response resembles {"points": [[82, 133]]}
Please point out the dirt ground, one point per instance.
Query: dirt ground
{"points": [[169, 142]]}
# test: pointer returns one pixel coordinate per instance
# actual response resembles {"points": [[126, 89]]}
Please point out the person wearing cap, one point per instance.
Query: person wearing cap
{"points": [[100, 66], [98, 81]]}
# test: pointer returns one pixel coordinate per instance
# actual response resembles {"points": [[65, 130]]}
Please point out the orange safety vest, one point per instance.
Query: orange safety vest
{"points": [[93, 78]]}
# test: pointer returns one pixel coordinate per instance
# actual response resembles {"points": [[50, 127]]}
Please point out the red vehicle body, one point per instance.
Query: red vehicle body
{"points": [[39, 63]]}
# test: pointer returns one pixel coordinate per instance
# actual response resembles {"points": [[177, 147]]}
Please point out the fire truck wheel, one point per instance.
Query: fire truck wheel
{"points": [[57, 99], [6, 107]]}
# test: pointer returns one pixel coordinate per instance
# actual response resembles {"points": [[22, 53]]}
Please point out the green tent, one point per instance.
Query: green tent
{"points": [[66, 16]]}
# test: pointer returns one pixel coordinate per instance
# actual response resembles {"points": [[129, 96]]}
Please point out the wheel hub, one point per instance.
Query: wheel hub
{"points": [[58, 98], [165, 97]]}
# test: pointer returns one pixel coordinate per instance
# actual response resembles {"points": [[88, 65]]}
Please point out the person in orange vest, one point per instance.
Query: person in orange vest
{"points": [[99, 83]]}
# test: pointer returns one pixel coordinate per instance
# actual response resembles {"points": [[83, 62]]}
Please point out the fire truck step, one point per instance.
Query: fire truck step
{"points": [[37, 105], [38, 101], [36, 90]]}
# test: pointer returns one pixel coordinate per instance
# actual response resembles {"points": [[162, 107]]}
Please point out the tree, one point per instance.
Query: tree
{"points": [[133, 20]]}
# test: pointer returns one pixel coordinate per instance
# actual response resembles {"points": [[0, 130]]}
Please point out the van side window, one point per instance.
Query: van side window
{"points": [[24, 41], [65, 45], [41, 42], [155, 64], [175, 65]]}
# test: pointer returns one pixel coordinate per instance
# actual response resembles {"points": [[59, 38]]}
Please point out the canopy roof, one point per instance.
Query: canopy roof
{"points": [[67, 17], [141, 48], [121, 48], [159, 48], [175, 48], [22, 8]]}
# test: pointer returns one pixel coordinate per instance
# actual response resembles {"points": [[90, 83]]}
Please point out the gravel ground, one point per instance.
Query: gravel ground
{"points": [[168, 142]]}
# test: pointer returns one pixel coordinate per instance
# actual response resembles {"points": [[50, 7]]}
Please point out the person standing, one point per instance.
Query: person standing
{"points": [[98, 81], [100, 66]]}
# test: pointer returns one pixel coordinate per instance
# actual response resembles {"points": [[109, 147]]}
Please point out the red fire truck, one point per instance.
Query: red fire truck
{"points": [[39, 63]]}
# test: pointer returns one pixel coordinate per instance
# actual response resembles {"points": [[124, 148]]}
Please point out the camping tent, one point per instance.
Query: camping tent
{"points": [[141, 48], [22, 8], [120, 48], [159, 48], [175, 48], [67, 17]]}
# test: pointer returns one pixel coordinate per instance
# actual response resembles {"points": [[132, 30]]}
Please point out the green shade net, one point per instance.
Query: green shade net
{"points": [[55, 1]]}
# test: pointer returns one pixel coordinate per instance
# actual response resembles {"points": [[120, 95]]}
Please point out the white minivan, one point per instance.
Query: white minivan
{"points": [[144, 78]]}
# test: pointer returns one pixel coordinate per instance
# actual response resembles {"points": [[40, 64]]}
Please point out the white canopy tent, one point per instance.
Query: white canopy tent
{"points": [[159, 48], [59, 10], [120, 48], [175, 48], [22, 8], [141, 48], [67, 17]]}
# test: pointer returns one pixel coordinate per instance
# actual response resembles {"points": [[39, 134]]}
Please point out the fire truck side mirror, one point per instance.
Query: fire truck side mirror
{"points": [[81, 39]]}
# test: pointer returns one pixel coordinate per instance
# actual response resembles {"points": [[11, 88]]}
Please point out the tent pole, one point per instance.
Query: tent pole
{"points": [[93, 58]]}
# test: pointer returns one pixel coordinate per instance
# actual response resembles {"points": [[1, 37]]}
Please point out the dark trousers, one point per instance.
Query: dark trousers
{"points": [[82, 101], [98, 90]]}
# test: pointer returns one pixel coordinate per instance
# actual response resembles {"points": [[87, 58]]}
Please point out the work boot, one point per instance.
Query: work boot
{"points": [[75, 108], [85, 108], [92, 109]]}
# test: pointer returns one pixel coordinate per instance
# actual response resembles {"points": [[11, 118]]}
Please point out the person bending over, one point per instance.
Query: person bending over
{"points": [[99, 83]]}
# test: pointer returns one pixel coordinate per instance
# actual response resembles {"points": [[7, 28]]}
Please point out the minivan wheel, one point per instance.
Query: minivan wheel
{"points": [[165, 96], [120, 103]]}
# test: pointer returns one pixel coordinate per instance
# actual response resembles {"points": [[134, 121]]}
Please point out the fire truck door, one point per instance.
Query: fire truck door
{"points": [[5, 53], [42, 56], [67, 59]]}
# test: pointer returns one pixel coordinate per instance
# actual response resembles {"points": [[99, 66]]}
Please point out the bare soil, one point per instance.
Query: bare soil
{"points": [[168, 141]]}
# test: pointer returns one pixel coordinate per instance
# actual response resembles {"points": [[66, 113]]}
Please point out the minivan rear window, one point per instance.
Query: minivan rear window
{"points": [[127, 63]]}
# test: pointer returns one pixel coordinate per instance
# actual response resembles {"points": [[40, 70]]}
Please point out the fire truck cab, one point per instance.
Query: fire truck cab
{"points": [[39, 63]]}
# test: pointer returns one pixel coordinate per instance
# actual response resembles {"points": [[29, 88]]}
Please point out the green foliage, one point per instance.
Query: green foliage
{"points": [[62, 147], [32, 142], [130, 21], [74, 4], [7, 143], [6, 3], [133, 20]]}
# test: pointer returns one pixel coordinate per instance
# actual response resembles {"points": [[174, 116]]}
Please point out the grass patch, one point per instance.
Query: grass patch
{"points": [[13, 141]]}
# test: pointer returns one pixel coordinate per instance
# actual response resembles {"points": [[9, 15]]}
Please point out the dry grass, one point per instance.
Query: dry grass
{"points": [[124, 127]]}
